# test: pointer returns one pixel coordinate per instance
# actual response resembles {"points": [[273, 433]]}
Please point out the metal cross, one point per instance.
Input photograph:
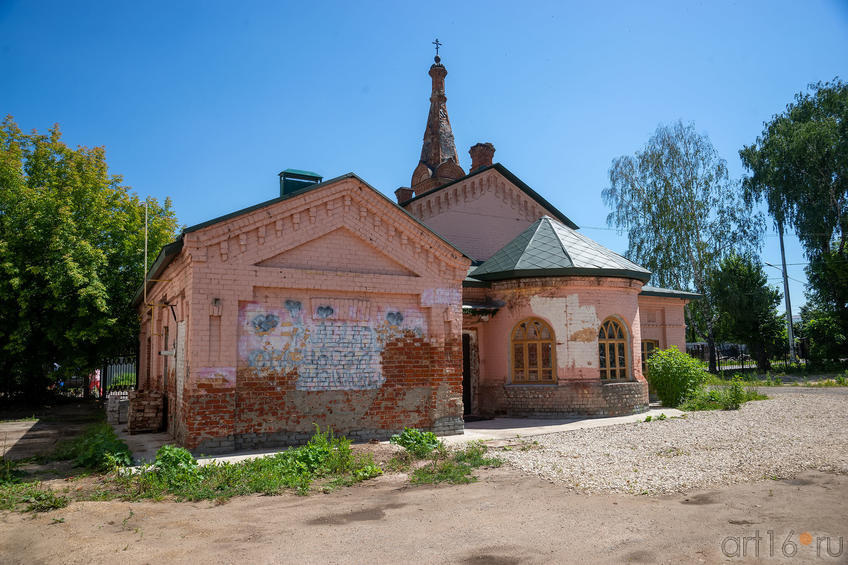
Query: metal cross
{"points": [[437, 44]]}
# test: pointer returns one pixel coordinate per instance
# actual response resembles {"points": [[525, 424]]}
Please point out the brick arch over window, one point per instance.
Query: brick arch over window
{"points": [[613, 351], [533, 351]]}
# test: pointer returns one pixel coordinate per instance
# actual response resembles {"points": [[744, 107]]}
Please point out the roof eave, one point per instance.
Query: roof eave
{"points": [[563, 272], [514, 180], [166, 255], [669, 293]]}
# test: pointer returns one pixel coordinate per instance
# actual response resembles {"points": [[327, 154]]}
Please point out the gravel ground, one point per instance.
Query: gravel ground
{"points": [[768, 439]]}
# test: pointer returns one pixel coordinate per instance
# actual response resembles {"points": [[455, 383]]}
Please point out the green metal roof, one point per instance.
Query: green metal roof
{"points": [[550, 248], [668, 293], [300, 172]]}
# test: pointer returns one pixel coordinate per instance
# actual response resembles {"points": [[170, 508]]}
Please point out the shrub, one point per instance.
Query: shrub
{"points": [[733, 396], [418, 443], [725, 398], [176, 466], [98, 448], [675, 376]]}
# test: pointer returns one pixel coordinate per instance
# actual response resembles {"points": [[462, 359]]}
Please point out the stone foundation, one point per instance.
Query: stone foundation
{"points": [[117, 408], [146, 411], [568, 399], [282, 439]]}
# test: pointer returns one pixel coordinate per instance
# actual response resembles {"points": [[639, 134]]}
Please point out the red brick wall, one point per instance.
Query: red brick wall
{"points": [[345, 247], [574, 307]]}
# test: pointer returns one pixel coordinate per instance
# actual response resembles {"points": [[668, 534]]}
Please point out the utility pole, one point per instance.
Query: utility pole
{"points": [[144, 267], [789, 332]]}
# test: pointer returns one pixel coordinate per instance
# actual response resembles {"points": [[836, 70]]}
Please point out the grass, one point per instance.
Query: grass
{"points": [[175, 473], [122, 381], [454, 467], [726, 398], [30, 497], [773, 380], [326, 463], [98, 448]]}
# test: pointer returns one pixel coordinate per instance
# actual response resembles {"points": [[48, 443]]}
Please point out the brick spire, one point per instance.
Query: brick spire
{"points": [[439, 162]]}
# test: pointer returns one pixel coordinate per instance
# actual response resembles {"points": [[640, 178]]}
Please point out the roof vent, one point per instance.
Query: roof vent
{"points": [[293, 180]]}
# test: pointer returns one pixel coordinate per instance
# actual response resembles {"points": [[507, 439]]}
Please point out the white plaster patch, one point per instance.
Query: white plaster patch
{"points": [[223, 377], [568, 318], [444, 296], [327, 353]]}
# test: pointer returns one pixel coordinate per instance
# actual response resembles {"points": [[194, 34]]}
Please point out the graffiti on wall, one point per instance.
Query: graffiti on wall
{"points": [[337, 344]]}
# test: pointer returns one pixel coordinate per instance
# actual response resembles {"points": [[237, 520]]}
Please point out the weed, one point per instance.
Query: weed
{"points": [[418, 443], [97, 448], [727, 398], [127, 519], [31, 497], [648, 418], [176, 472], [456, 467]]}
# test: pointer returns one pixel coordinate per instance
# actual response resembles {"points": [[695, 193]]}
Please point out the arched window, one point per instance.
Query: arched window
{"points": [[533, 352], [613, 351]]}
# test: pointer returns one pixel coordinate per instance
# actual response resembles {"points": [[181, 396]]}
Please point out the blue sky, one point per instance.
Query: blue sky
{"points": [[206, 102]]}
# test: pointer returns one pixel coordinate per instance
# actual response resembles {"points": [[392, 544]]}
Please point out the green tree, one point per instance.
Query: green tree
{"points": [[71, 254], [747, 307], [799, 167], [682, 214]]}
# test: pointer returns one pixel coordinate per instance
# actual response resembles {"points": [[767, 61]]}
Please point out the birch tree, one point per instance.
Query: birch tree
{"points": [[682, 213]]}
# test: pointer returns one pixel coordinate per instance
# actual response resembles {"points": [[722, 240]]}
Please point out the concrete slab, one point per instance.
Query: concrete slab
{"points": [[511, 428], [143, 446]]}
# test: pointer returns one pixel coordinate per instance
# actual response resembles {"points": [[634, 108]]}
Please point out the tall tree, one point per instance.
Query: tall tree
{"points": [[682, 214], [799, 166], [747, 307], [71, 254]]}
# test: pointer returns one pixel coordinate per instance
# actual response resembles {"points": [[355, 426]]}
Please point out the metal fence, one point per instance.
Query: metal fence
{"points": [[119, 375], [735, 357]]}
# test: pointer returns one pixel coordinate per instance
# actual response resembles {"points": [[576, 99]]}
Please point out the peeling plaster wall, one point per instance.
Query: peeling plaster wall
{"points": [[374, 346], [575, 307]]}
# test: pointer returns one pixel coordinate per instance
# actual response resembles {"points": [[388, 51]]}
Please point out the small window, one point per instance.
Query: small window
{"points": [[613, 351], [648, 348], [533, 353]]}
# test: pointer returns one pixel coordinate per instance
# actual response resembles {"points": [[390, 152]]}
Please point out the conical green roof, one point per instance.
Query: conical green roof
{"points": [[550, 248]]}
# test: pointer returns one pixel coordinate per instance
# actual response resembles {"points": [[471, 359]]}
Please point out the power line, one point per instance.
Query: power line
{"points": [[781, 270]]}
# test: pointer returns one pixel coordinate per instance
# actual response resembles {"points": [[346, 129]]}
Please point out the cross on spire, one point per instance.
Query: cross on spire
{"points": [[437, 44]]}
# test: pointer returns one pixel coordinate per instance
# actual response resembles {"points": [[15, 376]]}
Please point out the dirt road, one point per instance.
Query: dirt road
{"points": [[505, 518]]}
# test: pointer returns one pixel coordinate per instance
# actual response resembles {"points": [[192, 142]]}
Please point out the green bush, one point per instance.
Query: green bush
{"points": [[418, 443], [176, 466], [97, 448], [675, 376], [731, 397]]}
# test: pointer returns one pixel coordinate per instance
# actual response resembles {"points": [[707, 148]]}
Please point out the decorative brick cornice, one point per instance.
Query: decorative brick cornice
{"points": [[473, 189]]}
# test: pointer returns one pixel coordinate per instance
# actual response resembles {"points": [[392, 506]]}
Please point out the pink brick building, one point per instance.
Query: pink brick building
{"points": [[332, 305]]}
